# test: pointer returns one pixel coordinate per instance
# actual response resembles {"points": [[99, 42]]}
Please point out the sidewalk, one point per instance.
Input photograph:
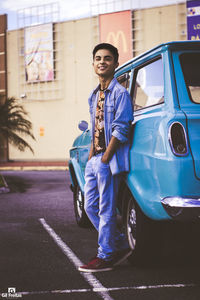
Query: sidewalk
{"points": [[28, 166], [33, 165]]}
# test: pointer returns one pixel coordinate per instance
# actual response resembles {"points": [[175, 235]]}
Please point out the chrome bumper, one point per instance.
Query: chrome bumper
{"points": [[181, 202], [182, 207]]}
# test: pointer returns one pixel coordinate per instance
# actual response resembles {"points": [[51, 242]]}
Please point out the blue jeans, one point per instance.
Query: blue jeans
{"points": [[101, 190]]}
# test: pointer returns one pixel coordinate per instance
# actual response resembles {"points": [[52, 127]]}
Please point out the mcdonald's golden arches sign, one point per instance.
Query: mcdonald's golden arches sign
{"points": [[116, 28]]}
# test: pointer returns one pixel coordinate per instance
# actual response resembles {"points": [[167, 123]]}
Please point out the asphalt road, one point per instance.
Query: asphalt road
{"points": [[41, 248]]}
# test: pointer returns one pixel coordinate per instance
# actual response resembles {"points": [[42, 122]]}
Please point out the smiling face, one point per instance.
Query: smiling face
{"points": [[104, 64]]}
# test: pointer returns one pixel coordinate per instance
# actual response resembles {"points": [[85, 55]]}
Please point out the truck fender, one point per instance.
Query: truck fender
{"points": [[76, 174]]}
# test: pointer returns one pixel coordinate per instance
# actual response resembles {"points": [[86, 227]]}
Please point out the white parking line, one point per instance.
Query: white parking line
{"points": [[96, 285], [113, 289], [91, 279]]}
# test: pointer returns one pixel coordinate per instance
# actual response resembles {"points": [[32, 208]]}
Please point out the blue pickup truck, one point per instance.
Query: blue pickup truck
{"points": [[163, 183]]}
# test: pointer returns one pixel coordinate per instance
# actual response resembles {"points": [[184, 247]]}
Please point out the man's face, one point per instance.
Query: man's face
{"points": [[104, 63]]}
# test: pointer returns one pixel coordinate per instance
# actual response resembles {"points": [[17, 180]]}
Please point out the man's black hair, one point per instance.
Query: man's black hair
{"points": [[109, 47]]}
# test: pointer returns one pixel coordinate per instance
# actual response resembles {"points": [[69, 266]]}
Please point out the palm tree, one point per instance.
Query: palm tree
{"points": [[14, 124]]}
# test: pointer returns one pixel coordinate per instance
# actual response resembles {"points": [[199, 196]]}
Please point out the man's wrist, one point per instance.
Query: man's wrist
{"points": [[104, 160]]}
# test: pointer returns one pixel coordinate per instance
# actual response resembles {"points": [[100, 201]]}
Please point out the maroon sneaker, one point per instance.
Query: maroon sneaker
{"points": [[120, 256], [97, 265]]}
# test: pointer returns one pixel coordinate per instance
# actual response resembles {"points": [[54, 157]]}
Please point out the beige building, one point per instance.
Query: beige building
{"points": [[55, 107]]}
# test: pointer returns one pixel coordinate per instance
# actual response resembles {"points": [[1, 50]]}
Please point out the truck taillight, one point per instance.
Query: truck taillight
{"points": [[178, 139]]}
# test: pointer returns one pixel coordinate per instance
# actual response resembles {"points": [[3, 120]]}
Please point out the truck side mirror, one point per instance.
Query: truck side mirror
{"points": [[83, 125]]}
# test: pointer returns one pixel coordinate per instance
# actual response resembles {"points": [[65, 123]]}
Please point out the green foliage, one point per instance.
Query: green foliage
{"points": [[14, 124]]}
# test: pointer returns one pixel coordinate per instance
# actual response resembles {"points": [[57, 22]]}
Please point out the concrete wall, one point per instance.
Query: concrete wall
{"points": [[157, 25]]}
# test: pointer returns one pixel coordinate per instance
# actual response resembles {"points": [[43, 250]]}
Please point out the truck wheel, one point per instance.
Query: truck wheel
{"points": [[80, 215], [140, 232]]}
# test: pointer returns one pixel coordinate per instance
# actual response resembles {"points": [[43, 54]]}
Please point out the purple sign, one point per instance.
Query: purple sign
{"points": [[193, 20]]}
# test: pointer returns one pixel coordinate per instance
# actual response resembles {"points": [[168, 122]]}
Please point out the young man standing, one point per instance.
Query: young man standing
{"points": [[111, 117]]}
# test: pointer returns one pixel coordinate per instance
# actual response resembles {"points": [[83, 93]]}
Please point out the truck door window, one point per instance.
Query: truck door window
{"points": [[124, 79], [190, 63], [149, 85]]}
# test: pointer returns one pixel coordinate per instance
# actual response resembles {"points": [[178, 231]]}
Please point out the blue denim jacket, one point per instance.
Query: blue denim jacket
{"points": [[118, 116]]}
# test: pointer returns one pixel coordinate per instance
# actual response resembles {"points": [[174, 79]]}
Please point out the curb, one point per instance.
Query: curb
{"points": [[34, 168]]}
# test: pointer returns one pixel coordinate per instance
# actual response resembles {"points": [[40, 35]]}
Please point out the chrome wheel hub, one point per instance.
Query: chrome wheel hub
{"points": [[79, 203], [131, 226]]}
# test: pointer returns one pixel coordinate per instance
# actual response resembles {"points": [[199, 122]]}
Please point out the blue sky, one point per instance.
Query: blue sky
{"points": [[73, 9]]}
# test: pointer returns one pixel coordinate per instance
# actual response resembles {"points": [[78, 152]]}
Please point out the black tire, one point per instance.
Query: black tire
{"points": [[80, 215], [141, 233]]}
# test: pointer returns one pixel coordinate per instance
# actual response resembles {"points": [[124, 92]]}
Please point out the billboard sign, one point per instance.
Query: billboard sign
{"points": [[39, 53], [116, 29], [193, 20]]}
